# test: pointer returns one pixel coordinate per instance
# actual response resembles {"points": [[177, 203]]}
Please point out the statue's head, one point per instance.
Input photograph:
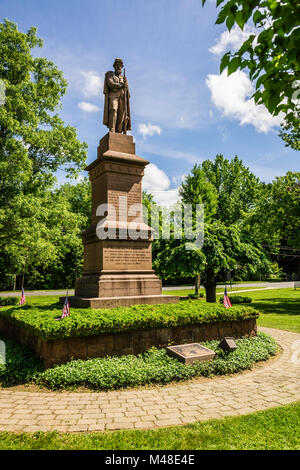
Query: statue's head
{"points": [[118, 65]]}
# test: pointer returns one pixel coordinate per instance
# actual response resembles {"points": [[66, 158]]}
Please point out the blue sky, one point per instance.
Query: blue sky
{"points": [[183, 111]]}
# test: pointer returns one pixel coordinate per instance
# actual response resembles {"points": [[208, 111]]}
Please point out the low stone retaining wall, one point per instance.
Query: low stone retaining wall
{"points": [[59, 351]]}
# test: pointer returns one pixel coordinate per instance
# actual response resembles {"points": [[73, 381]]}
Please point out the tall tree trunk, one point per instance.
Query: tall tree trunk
{"points": [[197, 284], [23, 276], [15, 282], [210, 286]]}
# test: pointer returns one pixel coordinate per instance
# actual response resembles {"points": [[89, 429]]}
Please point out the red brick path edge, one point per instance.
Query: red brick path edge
{"points": [[273, 384]]}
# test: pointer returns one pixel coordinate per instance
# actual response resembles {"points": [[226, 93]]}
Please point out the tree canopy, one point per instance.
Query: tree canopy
{"points": [[271, 55], [229, 190], [34, 144], [277, 215]]}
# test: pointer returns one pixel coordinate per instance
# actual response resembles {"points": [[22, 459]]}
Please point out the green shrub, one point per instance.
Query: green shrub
{"points": [[84, 322], [21, 364], [194, 296], [9, 301], [155, 366], [237, 299]]}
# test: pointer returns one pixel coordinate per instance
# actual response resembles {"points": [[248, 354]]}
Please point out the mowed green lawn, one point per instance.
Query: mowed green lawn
{"points": [[276, 428], [280, 308], [185, 292]]}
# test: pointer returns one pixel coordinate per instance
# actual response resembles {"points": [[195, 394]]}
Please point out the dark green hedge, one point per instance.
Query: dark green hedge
{"points": [[9, 301], [21, 364], [85, 322]]}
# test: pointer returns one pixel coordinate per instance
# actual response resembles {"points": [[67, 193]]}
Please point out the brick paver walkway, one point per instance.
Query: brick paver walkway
{"points": [[273, 384]]}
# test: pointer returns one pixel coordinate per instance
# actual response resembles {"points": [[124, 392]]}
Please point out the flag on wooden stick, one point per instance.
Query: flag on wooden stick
{"points": [[23, 298], [226, 301], [66, 308]]}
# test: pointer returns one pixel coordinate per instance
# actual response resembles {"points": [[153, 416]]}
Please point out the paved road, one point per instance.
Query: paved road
{"points": [[272, 384], [274, 285], [265, 285]]}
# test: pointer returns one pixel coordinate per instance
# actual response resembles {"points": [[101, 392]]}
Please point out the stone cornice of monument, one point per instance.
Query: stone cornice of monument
{"points": [[116, 153]]}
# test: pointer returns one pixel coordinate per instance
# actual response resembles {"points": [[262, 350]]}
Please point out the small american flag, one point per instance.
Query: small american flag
{"points": [[226, 301], [23, 298], [66, 308]]}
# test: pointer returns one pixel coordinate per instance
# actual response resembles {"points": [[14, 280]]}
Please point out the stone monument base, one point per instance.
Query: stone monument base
{"points": [[126, 301], [120, 284], [117, 269]]}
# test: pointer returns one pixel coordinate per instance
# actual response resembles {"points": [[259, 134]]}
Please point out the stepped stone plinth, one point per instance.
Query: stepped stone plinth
{"points": [[117, 265]]}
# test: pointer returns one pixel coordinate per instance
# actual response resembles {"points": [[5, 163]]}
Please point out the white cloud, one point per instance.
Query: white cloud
{"points": [[155, 178], [88, 107], [149, 130], [231, 95], [178, 179], [233, 38], [93, 84], [166, 198], [157, 183]]}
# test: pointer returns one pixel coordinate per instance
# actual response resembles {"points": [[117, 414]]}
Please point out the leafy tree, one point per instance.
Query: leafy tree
{"points": [[197, 189], [291, 134], [77, 197], [232, 188], [272, 55], [276, 221], [80, 198], [34, 144], [228, 238], [276, 218], [284, 207], [50, 249]]}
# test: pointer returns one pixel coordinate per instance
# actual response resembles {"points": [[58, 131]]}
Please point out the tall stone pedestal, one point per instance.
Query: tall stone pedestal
{"points": [[117, 271]]}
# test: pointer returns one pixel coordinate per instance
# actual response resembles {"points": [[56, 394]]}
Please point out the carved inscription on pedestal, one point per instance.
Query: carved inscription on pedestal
{"points": [[127, 256]]}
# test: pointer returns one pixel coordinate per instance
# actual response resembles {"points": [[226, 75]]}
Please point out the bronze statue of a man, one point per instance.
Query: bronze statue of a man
{"points": [[116, 104]]}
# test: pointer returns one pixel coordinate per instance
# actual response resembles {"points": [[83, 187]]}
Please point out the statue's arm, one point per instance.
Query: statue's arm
{"points": [[112, 85]]}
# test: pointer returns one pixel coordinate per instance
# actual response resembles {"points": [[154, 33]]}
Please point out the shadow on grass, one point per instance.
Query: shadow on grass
{"points": [[282, 306], [51, 306]]}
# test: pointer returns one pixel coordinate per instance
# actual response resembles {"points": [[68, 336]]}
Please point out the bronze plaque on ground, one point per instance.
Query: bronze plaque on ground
{"points": [[188, 353]]}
